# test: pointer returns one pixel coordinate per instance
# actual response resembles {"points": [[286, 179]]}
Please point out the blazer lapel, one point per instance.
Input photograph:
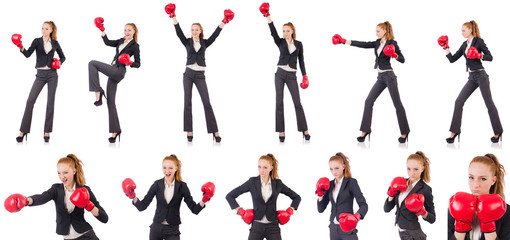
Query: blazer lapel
{"points": [[177, 187], [258, 187], [342, 187], [127, 46], [273, 188], [416, 188]]}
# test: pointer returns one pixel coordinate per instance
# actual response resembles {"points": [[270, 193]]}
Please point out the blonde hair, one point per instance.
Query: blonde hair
{"points": [[341, 158], [73, 162]]}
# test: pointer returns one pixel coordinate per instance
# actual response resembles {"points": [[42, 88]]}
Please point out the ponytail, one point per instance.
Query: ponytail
{"points": [[178, 164], [497, 169], [273, 162], [340, 157], [53, 34], [474, 28], [75, 163], [424, 160], [386, 26]]}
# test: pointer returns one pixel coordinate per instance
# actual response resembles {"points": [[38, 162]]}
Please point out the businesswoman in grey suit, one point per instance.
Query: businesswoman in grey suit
{"points": [[385, 48], [195, 69], [71, 197], [124, 48], [413, 198], [264, 190], [170, 192], [45, 48], [341, 191], [291, 50], [474, 50]]}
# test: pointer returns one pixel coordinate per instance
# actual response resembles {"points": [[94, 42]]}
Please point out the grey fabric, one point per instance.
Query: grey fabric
{"points": [[475, 80], [164, 232], [283, 77], [89, 235], [198, 78], [384, 80], [269, 231], [42, 78], [336, 233], [412, 235]]}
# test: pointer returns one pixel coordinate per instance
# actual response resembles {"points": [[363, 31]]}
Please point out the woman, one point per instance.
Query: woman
{"points": [[413, 198], [486, 179], [124, 48], [341, 191], [46, 66], [264, 190], [169, 192], [474, 50], [195, 68], [386, 44], [290, 51], [70, 197]]}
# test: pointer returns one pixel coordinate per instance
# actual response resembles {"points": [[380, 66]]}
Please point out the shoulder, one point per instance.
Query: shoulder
{"points": [[351, 180], [394, 42], [426, 187], [57, 186]]}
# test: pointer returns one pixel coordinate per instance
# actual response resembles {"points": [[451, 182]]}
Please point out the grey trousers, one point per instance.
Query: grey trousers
{"points": [[164, 232], [198, 78], [269, 231], [475, 80], [115, 75], [412, 235], [389, 80], [42, 78], [283, 77], [90, 235], [336, 233]]}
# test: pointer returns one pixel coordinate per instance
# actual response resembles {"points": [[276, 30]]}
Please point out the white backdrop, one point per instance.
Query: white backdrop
{"points": [[240, 68]]}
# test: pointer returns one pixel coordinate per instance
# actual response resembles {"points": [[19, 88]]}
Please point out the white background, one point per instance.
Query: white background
{"points": [[240, 68]]}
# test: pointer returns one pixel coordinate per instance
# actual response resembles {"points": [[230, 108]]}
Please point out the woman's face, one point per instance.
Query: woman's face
{"points": [[380, 32], [480, 178], [287, 32], [169, 169], [195, 31], [337, 169], [46, 30], [264, 168], [466, 32], [414, 170], [129, 32], [66, 174]]}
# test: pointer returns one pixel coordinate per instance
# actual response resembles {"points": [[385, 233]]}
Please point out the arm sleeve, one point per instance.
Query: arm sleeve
{"points": [[28, 52], [143, 204], [363, 44], [302, 61], [213, 37], [109, 42], [232, 195], [399, 53], [487, 56], [360, 199], [44, 197], [102, 217], [136, 54], [457, 55], [390, 205], [322, 205], [180, 34], [60, 53], [274, 33], [188, 199], [296, 199], [429, 206]]}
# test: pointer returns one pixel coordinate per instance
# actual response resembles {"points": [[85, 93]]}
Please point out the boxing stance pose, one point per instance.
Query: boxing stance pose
{"points": [[116, 70], [474, 50], [195, 68], [483, 213], [341, 191], [70, 197], [264, 190], [413, 198], [385, 48], [169, 192], [46, 66], [290, 50]]}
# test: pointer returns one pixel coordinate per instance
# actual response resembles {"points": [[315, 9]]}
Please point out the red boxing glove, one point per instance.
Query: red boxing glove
{"points": [[473, 53], [129, 186], [170, 10], [491, 207], [284, 216], [463, 209], [15, 202], [124, 59], [443, 42], [247, 215], [16, 39], [390, 51], [208, 191], [55, 64], [229, 15], [338, 39], [304, 84], [81, 198], [415, 204], [348, 222], [322, 185], [398, 184], [99, 23], [264, 9]]}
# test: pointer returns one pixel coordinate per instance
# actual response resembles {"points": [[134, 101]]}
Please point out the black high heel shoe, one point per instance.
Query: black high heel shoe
{"points": [[47, 138], [496, 139], [362, 138], [282, 138], [190, 138], [100, 101], [403, 140], [306, 136], [113, 139], [452, 139], [215, 138], [20, 138]]}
